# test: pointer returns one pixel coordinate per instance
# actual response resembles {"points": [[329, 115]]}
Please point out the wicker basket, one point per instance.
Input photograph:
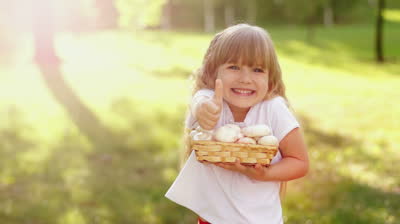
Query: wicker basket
{"points": [[249, 154]]}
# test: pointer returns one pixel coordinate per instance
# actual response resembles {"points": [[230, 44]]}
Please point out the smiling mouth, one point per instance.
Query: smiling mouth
{"points": [[243, 92]]}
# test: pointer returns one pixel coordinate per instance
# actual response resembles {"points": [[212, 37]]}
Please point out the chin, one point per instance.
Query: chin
{"points": [[244, 105]]}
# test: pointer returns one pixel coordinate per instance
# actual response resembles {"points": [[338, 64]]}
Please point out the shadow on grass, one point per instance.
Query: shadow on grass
{"points": [[330, 195], [77, 182], [86, 120], [126, 170]]}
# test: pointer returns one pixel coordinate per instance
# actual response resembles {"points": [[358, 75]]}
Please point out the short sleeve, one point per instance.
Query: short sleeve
{"points": [[281, 118], [190, 120]]}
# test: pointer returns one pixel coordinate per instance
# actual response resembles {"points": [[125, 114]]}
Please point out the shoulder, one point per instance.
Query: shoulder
{"points": [[274, 103], [281, 118]]}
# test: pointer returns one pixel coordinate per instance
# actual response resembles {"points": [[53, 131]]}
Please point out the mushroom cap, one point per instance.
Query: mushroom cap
{"points": [[227, 133], [247, 140], [202, 136], [268, 140], [256, 130]]}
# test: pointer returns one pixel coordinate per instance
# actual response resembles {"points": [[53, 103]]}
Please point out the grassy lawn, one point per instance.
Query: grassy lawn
{"points": [[136, 84]]}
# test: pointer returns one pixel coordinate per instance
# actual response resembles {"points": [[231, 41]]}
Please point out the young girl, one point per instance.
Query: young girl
{"points": [[240, 82]]}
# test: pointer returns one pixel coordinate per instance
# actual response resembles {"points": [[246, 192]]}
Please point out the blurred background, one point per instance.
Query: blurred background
{"points": [[93, 94]]}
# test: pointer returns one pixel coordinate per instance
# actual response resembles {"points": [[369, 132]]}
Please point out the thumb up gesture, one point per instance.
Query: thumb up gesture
{"points": [[209, 110]]}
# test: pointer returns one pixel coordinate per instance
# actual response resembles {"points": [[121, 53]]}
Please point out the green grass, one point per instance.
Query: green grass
{"points": [[135, 83]]}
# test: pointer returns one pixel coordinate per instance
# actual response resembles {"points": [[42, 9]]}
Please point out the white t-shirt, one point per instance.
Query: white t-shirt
{"points": [[226, 197]]}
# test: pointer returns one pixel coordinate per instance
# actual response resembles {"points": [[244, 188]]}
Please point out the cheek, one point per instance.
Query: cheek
{"points": [[263, 86], [263, 83]]}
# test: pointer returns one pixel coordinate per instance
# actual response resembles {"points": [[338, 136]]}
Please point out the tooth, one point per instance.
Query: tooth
{"points": [[243, 91]]}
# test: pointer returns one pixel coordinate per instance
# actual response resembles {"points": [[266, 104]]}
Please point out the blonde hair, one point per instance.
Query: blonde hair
{"points": [[243, 44]]}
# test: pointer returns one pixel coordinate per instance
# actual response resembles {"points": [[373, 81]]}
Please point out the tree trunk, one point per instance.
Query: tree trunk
{"points": [[49, 66], [43, 33], [379, 32], [108, 14], [166, 23], [252, 11], [229, 13], [311, 26], [328, 14], [209, 17]]}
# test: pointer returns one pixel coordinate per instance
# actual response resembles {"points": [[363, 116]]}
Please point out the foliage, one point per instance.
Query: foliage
{"points": [[140, 13]]}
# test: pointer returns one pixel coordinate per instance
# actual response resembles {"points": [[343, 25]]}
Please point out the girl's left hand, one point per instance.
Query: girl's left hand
{"points": [[257, 172]]}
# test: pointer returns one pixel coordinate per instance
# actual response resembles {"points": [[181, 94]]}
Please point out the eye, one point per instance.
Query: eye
{"points": [[259, 70], [234, 67]]}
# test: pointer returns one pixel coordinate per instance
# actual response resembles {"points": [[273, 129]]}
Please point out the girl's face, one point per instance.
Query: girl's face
{"points": [[243, 86]]}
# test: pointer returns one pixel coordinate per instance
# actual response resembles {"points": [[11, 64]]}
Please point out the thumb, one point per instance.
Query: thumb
{"points": [[218, 94]]}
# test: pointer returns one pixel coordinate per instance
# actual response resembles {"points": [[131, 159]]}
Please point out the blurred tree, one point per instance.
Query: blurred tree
{"points": [[251, 11], [209, 16], [309, 13], [140, 13], [49, 65], [344, 11], [328, 13], [166, 20], [43, 32], [108, 14], [229, 12], [379, 32]]}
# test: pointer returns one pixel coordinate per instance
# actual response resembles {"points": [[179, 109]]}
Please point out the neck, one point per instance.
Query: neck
{"points": [[239, 114]]}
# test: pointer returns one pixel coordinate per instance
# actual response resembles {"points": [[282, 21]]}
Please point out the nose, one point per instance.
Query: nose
{"points": [[245, 76]]}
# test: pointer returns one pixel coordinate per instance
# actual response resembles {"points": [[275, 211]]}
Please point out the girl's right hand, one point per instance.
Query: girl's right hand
{"points": [[209, 110]]}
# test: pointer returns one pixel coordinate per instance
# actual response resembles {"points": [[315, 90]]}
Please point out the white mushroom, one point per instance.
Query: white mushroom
{"points": [[256, 138], [246, 140], [202, 136], [256, 130], [193, 133], [233, 126], [268, 140], [228, 133]]}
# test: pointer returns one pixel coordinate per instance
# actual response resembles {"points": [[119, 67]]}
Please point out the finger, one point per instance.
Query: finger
{"points": [[207, 124], [226, 166], [218, 93], [213, 107], [220, 165], [211, 117], [239, 166], [258, 168]]}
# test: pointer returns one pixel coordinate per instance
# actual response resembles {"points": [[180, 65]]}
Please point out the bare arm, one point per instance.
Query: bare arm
{"points": [[293, 165]]}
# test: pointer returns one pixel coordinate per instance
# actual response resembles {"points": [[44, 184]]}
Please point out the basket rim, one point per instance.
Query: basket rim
{"points": [[256, 146]]}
